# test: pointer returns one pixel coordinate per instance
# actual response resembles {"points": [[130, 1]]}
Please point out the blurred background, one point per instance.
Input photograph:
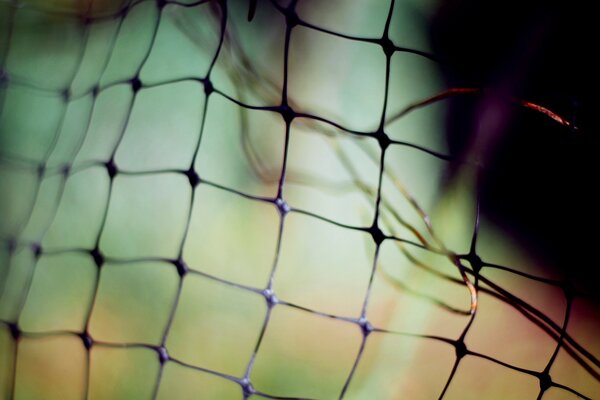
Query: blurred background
{"points": [[141, 153]]}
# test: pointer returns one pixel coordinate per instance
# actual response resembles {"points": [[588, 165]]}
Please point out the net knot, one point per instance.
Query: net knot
{"points": [[545, 381], [208, 87], [377, 235], [181, 266], [365, 326], [163, 354], [41, 170], [11, 245], [282, 206], [287, 113], [87, 340], [461, 349], [95, 91], [111, 168], [97, 257], [65, 169], [66, 94], [270, 297], [569, 289], [86, 19], [124, 11], [36, 248], [291, 17], [387, 46], [136, 84], [382, 139], [192, 176], [247, 387], [15, 331], [475, 261], [160, 4]]}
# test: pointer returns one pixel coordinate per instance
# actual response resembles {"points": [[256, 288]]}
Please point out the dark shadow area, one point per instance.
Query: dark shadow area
{"points": [[538, 176]]}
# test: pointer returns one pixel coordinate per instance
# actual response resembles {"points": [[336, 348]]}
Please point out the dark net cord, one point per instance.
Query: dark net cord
{"points": [[469, 265]]}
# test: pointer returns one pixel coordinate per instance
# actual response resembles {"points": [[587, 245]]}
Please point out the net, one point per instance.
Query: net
{"points": [[150, 312]]}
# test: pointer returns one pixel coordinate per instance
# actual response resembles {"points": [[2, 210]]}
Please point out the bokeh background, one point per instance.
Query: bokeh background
{"points": [[89, 90]]}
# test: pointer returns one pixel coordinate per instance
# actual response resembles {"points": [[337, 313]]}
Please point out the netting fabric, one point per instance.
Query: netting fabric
{"points": [[197, 203]]}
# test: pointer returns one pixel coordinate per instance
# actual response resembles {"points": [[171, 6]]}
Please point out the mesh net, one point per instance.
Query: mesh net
{"points": [[139, 264]]}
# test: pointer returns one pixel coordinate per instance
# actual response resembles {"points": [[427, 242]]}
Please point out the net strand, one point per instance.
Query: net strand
{"points": [[36, 247]]}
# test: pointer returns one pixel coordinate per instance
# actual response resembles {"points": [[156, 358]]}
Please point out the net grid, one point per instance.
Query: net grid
{"points": [[470, 264]]}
